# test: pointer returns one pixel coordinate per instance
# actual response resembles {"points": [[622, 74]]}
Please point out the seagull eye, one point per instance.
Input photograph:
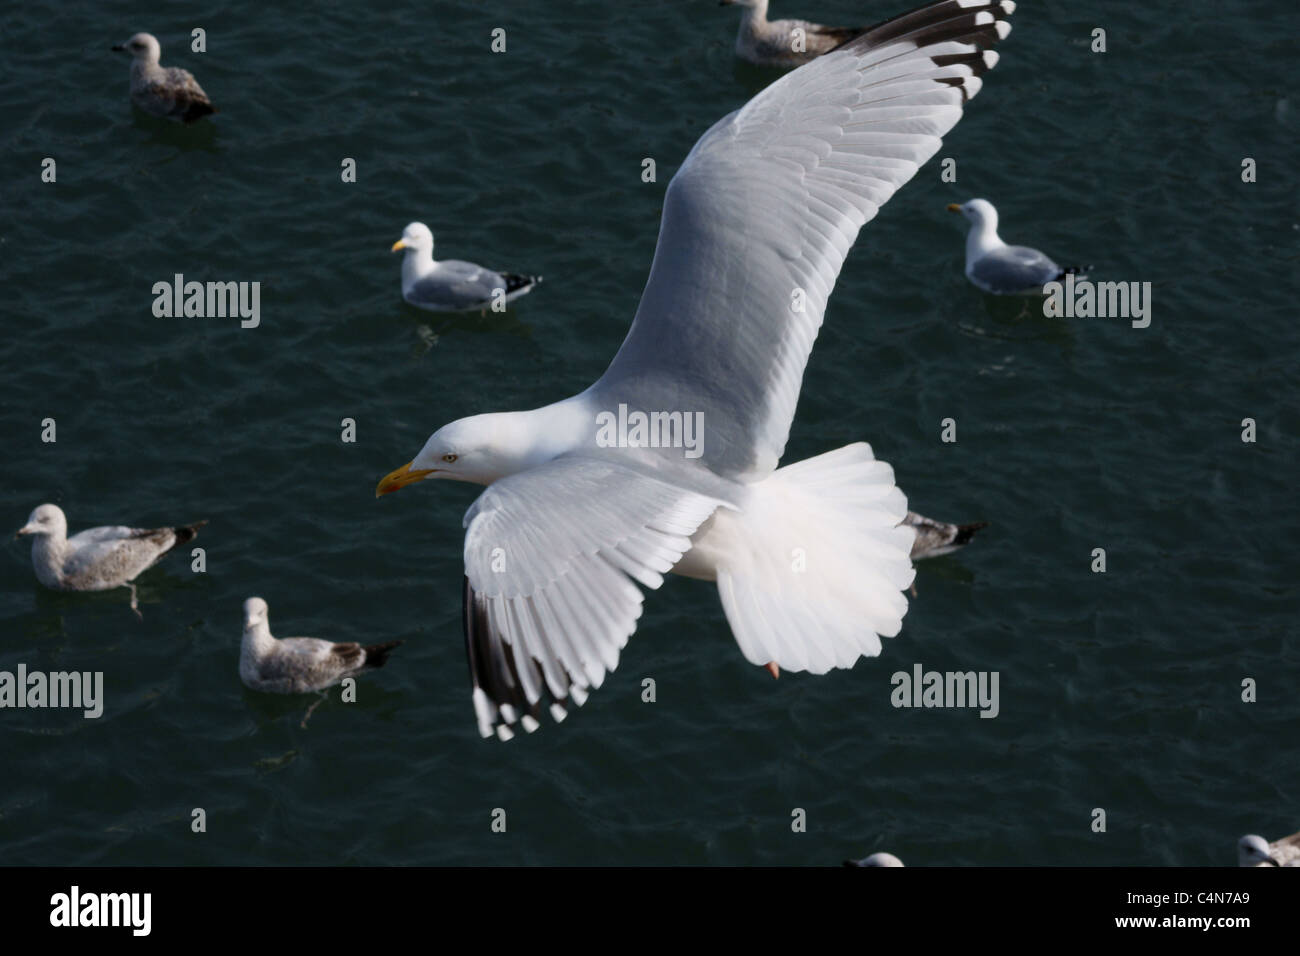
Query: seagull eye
{"points": [[448, 458]]}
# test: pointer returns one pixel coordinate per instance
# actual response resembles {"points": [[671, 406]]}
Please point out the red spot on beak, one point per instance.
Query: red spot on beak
{"points": [[773, 669]]}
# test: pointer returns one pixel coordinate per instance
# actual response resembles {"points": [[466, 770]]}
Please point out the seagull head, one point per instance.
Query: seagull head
{"points": [[751, 4], [255, 612], [980, 212], [142, 46], [480, 449], [45, 521], [1253, 850], [417, 237]]}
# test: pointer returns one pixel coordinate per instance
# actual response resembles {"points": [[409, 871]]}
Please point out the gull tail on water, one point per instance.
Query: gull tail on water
{"points": [[520, 284], [377, 654], [1074, 271], [186, 533]]}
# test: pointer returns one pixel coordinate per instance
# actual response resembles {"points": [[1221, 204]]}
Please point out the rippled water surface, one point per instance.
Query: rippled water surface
{"points": [[1118, 690]]}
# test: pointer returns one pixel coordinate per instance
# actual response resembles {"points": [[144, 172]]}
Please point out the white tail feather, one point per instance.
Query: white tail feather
{"points": [[812, 572]]}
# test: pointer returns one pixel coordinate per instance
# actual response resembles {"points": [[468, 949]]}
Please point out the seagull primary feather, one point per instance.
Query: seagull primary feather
{"points": [[168, 92], [96, 559], [584, 501]]}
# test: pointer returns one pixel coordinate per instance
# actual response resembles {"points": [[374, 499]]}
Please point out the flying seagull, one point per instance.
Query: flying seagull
{"points": [[97, 559], [783, 43], [810, 559], [1000, 269], [452, 285], [1254, 850], [169, 92]]}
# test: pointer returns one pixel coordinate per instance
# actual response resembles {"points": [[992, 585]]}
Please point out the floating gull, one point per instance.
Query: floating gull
{"points": [[936, 538], [809, 559], [451, 285], [1256, 851], [298, 665], [97, 559], [168, 92], [996, 267], [876, 859], [776, 43]]}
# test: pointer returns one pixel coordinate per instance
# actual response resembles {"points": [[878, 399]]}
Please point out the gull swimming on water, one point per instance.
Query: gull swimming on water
{"points": [[810, 559], [998, 268], [169, 92], [299, 665], [97, 559], [937, 538], [876, 859], [452, 285], [766, 42], [1254, 850]]}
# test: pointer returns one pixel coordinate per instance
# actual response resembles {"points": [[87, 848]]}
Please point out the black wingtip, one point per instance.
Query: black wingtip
{"points": [[187, 532], [967, 531], [197, 111], [377, 654], [1073, 271], [515, 282]]}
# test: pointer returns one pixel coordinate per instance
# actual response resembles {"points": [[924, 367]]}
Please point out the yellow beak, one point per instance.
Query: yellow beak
{"points": [[952, 207], [399, 244], [399, 479]]}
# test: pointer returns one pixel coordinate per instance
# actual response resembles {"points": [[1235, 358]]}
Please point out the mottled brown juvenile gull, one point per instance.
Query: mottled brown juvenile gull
{"points": [[782, 43], [299, 665], [96, 559], [936, 538], [810, 559], [1254, 850], [1000, 269], [452, 285], [169, 92]]}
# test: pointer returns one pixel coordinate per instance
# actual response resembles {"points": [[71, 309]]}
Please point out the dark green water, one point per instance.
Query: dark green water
{"points": [[1118, 690]]}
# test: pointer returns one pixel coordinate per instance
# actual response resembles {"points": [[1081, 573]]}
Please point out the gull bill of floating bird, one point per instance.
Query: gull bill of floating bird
{"points": [[1254, 850], [937, 538], [783, 43], [97, 559], [810, 559], [299, 665], [452, 285], [1000, 269], [876, 859], [165, 91]]}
